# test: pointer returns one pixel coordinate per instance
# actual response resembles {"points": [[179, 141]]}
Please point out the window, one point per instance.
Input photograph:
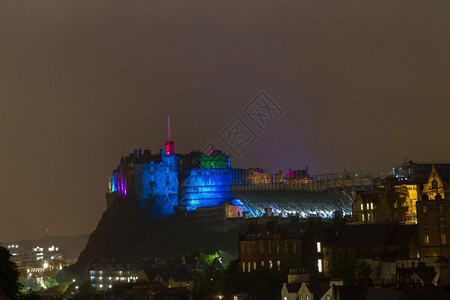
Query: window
{"points": [[270, 264], [262, 248], [371, 205], [441, 208], [278, 264], [362, 206], [294, 248], [249, 267], [427, 239], [284, 298], [443, 238], [278, 248], [243, 248], [319, 265], [362, 217], [262, 263], [424, 209], [286, 248], [367, 205], [434, 185], [319, 247], [328, 297], [243, 267], [270, 247], [307, 297], [254, 265], [368, 217]]}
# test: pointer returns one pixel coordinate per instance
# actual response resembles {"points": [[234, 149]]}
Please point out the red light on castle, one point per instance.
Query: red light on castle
{"points": [[170, 147], [46, 229]]}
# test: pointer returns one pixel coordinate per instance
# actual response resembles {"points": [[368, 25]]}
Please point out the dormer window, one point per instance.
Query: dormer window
{"points": [[434, 185]]}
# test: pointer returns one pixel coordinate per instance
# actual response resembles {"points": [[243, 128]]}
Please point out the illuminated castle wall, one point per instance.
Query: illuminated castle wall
{"points": [[165, 180], [209, 185], [157, 185]]}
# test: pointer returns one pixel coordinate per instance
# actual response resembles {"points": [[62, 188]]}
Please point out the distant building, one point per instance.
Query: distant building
{"points": [[103, 277], [168, 276]]}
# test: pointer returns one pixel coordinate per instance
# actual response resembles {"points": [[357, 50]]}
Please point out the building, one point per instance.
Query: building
{"points": [[103, 277], [296, 244], [349, 243], [168, 276]]}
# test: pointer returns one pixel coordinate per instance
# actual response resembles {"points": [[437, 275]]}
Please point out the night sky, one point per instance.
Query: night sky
{"points": [[363, 84]]}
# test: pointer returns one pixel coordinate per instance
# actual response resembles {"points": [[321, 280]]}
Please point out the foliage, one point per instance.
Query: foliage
{"points": [[84, 291], [263, 283], [30, 283], [9, 275], [349, 271], [30, 295]]}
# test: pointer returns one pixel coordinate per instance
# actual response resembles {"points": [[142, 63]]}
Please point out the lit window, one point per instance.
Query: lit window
{"points": [[262, 263], [243, 267], [284, 298], [249, 267], [427, 239], [319, 265], [270, 264], [362, 217], [367, 205], [278, 264], [443, 238], [368, 217], [319, 247], [254, 265], [371, 205]]}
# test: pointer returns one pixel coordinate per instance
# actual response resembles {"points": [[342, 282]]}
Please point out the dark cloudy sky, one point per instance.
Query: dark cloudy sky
{"points": [[363, 85]]}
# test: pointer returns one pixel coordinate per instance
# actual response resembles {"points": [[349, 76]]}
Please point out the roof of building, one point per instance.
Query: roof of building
{"points": [[178, 273], [426, 274], [268, 231], [293, 287], [377, 294], [372, 235], [322, 203], [369, 197], [349, 292]]}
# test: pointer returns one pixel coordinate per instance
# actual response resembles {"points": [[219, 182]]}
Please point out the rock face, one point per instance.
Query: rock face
{"points": [[123, 236]]}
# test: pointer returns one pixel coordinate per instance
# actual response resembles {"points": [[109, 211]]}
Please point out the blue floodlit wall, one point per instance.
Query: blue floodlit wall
{"points": [[207, 187], [157, 186]]}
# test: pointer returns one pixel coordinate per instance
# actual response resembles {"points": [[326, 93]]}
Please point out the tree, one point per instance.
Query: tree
{"points": [[9, 276]]}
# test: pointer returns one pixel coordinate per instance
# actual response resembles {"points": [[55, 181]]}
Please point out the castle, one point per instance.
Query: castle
{"points": [[166, 183]]}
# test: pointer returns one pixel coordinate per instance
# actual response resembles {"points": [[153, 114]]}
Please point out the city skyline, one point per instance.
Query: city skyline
{"points": [[361, 87]]}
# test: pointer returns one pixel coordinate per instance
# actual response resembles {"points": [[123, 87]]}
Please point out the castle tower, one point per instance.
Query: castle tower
{"points": [[170, 145]]}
